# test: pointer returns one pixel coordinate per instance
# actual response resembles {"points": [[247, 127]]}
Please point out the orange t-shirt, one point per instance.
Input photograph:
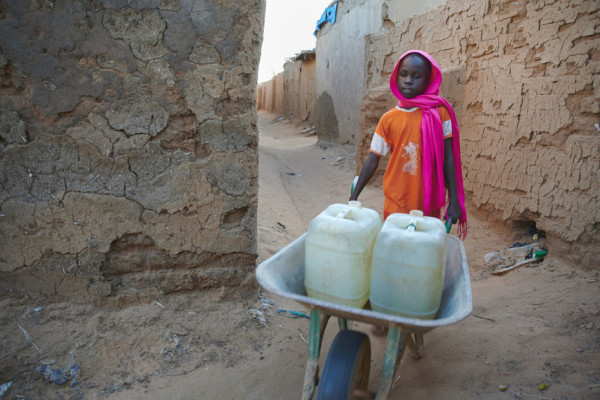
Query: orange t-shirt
{"points": [[399, 133]]}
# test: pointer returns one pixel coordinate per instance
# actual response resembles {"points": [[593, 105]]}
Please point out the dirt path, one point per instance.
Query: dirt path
{"points": [[535, 324]]}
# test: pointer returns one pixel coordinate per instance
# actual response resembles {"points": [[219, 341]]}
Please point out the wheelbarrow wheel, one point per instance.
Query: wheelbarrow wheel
{"points": [[346, 370]]}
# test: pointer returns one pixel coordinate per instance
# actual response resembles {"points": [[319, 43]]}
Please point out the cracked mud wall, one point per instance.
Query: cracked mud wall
{"points": [[529, 105], [291, 92], [128, 146]]}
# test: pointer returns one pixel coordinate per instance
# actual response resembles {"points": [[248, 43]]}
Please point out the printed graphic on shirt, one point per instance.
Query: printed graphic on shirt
{"points": [[411, 152]]}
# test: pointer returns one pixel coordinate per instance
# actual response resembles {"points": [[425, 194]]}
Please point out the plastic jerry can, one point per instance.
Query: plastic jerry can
{"points": [[338, 253], [409, 262]]}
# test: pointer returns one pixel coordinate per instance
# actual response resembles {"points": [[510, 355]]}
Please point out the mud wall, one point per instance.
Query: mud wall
{"points": [[299, 88], [128, 146], [340, 67], [260, 97], [291, 92], [529, 102], [270, 95]]}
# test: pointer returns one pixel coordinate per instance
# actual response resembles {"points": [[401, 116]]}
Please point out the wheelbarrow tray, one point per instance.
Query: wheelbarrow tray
{"points": [[283, 274]]}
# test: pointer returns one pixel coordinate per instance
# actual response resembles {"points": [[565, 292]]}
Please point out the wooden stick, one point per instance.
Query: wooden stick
{"points": [[503, 270], [27, 336]]}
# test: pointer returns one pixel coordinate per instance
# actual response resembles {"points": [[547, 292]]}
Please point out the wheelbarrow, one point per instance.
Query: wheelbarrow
{"points": [[347, 366]]}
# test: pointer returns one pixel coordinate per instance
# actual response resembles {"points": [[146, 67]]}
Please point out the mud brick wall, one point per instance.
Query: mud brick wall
{"points": [[270, 95], [128, 146], [291, 92], [260, 97], [299, 88], [530, 106]]}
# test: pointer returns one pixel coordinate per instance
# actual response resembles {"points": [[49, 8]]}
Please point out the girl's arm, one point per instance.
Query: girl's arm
{"points": [[454, 211], [366, 174]]}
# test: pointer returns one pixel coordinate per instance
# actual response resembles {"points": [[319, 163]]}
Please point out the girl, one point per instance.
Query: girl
{"points": [[421, 136]]}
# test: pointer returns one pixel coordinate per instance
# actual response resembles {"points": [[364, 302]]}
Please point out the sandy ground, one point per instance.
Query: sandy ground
{"points": [[536, 324]]}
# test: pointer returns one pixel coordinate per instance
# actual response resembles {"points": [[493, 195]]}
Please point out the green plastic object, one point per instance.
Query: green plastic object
{"points": [[540, 253]]}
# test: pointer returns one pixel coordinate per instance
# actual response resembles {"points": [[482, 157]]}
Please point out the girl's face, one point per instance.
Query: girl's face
{"points": [[413, 76]]}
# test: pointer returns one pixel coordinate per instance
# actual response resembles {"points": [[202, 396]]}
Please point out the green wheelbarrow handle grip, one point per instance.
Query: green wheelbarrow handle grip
{"points": [[448, 225]]}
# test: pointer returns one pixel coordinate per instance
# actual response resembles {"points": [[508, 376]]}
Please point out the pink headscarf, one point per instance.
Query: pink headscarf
{"points": [[432, 142]]}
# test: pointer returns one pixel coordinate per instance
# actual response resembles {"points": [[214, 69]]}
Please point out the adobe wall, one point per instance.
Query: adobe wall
{"points": [[129, 147], [299, 88], [260, 97], [529, 102], [291, 92], [270, 95], [340, 49]]}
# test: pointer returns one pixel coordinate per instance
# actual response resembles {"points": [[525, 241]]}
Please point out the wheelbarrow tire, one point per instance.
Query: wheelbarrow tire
{"points": [[346, 370]]}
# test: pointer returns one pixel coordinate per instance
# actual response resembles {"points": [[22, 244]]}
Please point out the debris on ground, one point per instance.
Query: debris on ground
{"points": [[292, 313], [302, 336], [60, 376], [517, 255], [310, 130], [27, 336], [4, 387], [258, 315], [280, 118], [264, 314]]}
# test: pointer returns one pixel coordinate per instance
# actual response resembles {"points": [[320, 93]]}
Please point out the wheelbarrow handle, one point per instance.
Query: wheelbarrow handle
{"points": [[448, 225]]}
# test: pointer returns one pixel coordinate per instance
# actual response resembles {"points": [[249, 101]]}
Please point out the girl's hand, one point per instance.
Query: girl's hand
{"points": [[366, 173], [454, 212]]}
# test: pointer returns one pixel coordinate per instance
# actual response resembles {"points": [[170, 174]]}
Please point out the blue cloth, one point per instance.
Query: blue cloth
{"points": [[328, 16]]}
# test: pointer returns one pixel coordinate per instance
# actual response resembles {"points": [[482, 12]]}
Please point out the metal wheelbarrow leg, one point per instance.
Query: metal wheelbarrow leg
{"points": [[318, 323], [397, 340]]}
